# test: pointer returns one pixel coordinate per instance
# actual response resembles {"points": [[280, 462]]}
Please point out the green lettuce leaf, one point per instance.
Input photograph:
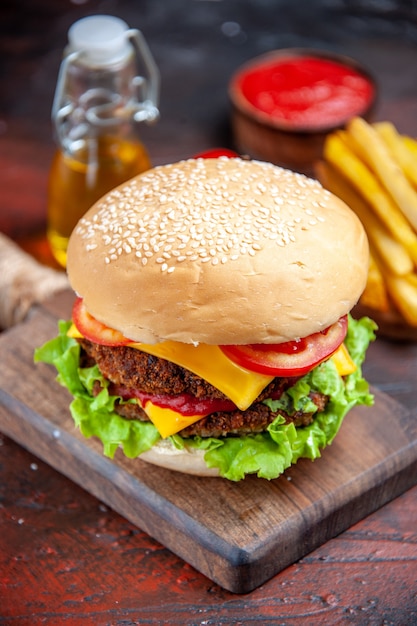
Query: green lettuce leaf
{"points": [[266, 454]]}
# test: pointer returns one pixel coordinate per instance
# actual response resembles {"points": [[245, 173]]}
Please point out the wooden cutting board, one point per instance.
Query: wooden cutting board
{"points": [[238, 534]]}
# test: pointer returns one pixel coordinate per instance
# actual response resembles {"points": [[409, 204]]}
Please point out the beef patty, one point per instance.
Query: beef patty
{"points": [[129, 368]]}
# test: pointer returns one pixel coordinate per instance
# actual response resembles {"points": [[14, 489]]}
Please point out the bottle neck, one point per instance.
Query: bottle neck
{"points": [[95, 99]]}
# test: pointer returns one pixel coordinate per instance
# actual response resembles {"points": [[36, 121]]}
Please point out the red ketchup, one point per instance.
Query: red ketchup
{"points": [[306, 92]]}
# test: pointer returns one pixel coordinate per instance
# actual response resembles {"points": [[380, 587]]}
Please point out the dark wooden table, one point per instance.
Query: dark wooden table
{"points": [[65, 558]]}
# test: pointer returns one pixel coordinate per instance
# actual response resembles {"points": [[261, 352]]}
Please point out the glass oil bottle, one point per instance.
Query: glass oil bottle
{"points": [[108, 82]]}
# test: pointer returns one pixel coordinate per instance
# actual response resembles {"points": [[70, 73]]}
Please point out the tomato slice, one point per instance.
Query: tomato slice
{"points": [[183, 403], [93, 330], [214, 153], [293, 358]]}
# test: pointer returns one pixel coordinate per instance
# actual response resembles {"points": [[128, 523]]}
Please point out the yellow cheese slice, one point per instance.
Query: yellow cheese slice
{"points": [[209, 362], [167, 421], [238, 384], [343, 361], [73, 332]]}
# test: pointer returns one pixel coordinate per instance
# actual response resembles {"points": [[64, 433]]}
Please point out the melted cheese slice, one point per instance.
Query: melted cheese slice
{"points": [[209, 362], [167, 421], [343, 361]]}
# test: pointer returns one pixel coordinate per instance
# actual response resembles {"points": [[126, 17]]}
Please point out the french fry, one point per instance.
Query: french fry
{"points": [[404, 295], [392, 253], [412, 279], [410, 144], [351, 167], [386, 168], [375, 295], [398, 150], [374, 170]]}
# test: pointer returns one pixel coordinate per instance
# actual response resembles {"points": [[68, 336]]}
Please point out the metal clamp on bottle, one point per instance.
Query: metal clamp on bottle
{"points": [[99, 75]]}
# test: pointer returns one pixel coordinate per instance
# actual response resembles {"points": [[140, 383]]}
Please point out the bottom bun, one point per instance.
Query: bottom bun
{"points": [[187, 460]]}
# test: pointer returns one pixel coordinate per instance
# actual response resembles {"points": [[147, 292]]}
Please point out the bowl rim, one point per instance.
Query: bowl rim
{"points": [[240, 102]]}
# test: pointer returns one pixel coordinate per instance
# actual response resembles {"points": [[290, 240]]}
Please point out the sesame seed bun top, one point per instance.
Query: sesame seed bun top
{"points": [[218, 251]]}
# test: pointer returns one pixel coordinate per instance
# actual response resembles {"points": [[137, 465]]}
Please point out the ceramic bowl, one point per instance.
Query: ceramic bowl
{"points": [[285, 102]]}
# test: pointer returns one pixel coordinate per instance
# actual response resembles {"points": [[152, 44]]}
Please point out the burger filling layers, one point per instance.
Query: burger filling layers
{"points": [[203, 390], [130, 396], [134, 374]]}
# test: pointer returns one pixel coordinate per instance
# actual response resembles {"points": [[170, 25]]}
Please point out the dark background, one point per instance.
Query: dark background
{"points": [[197, 45]]}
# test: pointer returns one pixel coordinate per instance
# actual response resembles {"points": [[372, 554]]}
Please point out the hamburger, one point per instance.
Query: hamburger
{"points": [[211, 331]]}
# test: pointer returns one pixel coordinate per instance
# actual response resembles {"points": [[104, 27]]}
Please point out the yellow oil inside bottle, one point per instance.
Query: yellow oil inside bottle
{"points": [[79, 179]]}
